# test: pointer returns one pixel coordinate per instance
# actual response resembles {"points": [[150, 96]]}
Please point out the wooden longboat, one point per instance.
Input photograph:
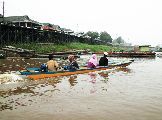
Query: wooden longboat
{"points": [[129, 54], [36, 75]]}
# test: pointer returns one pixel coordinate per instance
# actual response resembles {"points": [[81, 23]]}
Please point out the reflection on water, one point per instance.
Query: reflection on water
{"points": [[124, 69], [93, 76], [126, 93], [72, 80], [93, 80], [23, 95]]}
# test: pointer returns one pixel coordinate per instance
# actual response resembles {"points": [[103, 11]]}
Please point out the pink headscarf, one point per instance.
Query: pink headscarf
{"points": [[93, 59]]}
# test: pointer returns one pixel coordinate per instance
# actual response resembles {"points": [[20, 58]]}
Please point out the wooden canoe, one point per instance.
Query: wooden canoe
{"points": [[36, 75]]}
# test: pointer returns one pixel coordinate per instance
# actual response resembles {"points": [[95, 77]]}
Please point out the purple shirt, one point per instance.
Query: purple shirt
{"points": [[91, 65]]}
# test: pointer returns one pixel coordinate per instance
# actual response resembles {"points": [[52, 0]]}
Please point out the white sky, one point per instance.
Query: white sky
{"points": [[136, 21]]}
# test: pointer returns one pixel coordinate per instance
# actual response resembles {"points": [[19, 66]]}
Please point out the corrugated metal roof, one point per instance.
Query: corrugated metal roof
{"points": [[13, 19]]}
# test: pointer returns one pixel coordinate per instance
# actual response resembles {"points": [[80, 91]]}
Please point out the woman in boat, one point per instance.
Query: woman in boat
{"points": [[52, 65], [103, 60], [73, 65], [92, 63]]}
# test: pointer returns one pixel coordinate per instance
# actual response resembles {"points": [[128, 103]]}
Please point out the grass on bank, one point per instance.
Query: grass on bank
{"points": [[48, 48]]}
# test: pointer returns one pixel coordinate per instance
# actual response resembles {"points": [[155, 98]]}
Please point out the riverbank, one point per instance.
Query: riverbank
{"points": [[51, 48], [42, 50]]}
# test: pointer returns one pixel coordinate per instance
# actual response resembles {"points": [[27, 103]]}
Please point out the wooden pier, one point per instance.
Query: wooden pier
{"points": [[17, 34]]}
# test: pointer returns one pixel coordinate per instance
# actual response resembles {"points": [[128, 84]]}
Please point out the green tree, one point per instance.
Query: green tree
{"points": [[118, 40], [92, 34], [105, 36]]}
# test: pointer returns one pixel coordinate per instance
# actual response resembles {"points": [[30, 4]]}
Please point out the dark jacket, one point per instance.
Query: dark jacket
{"points": [[103, 61], [74, 65]]}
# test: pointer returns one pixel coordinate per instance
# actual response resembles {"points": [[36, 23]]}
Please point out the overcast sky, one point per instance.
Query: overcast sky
{"points": [[136, 21]]}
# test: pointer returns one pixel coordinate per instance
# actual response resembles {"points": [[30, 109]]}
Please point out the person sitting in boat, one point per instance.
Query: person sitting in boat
{"points": [[73, 65], [43, 68], [52, 65], [92, 63], [104, 60]]}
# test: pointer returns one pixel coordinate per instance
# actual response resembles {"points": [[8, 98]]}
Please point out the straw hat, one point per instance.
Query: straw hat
{"points": [[105, 53]]}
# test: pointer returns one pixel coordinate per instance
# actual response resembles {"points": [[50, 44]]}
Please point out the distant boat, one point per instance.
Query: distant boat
{"points": [[159, 54], [130, 54]]}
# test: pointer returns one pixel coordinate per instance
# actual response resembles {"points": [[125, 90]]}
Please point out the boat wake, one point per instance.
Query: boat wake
{"points": [[10, 78]]}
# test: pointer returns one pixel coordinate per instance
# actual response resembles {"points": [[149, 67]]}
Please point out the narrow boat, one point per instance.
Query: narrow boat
{"points": [[159, 54], [129, 54], [35, 74]]}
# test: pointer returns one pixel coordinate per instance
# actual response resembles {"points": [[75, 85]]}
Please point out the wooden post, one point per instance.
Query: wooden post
{"points": [[1, 36], [3, 11]]}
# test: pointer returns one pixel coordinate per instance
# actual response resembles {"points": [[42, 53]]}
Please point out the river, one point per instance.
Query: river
{"points": [[130, 93]]}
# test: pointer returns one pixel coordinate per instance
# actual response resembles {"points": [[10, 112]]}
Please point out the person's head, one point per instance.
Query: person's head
{"points": [[71, 58], [93, 59], [105, 54], [50, 57], [94, 56]]}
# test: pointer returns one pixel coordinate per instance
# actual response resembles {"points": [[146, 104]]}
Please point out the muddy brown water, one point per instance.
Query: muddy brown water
{"points": [[130, 93]]}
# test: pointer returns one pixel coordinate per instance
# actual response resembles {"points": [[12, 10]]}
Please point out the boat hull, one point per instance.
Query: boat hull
{"points": [[40, 75]]}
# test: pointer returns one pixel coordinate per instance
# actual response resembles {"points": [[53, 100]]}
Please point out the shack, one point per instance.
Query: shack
{"points": [[144, 48], [21, 21], [50, 27]]}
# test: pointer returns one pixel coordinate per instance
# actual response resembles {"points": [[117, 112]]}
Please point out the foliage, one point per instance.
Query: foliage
{"points": [[48, 48], [119, 40], [105, 36], [93, 35]]}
